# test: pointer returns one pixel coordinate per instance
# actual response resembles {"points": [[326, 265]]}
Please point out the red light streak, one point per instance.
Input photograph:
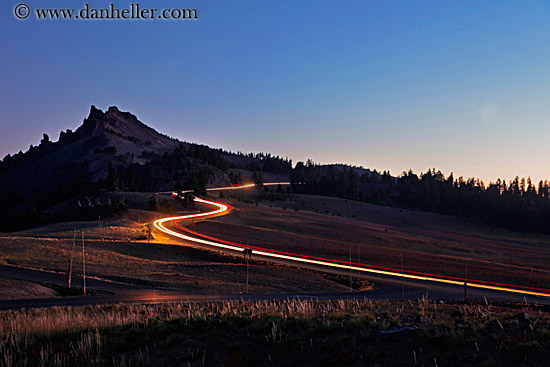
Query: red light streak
{"points": [[234, 246]]}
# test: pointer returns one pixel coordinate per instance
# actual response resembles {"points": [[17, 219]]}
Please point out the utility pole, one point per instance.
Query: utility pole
{"points": [[465, 283], [247, 251], [358, 258], [402, 279], [102, 232], [70, 275], [247, 272], [83, 265], [350, 274]]}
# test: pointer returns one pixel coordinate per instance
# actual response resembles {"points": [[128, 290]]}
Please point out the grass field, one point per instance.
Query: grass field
{"points": [[118, 250], [278, 333], [428, 242]]}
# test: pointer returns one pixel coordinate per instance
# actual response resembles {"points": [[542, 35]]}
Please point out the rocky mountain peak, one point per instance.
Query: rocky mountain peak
{"points": [[124, 125]]}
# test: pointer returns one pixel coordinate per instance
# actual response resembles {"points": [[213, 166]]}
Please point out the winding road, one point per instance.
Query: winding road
{"points": [[171, 227], [393, 283]]}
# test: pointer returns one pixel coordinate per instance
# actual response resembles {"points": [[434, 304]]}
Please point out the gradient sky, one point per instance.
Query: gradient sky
{"points": [[462, 86]]}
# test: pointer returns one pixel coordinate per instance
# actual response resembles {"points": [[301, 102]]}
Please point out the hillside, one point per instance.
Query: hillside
{"points": [[337, 228]]}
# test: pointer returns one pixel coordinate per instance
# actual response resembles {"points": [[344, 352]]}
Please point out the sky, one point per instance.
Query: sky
{"points": [[460, 86]]}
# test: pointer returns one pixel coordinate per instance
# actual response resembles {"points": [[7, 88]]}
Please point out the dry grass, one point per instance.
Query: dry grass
{"points": [[340, 332], [377, 235], [118, 250], [318, 226]]}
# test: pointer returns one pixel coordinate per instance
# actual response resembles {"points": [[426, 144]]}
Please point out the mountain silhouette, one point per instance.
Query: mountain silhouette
{"points": [[111, 151]]}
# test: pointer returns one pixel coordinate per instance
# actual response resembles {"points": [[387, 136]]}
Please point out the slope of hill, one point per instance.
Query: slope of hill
{"points": [[126, 132]]}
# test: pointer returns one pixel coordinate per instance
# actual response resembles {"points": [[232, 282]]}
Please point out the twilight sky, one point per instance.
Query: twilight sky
{"points": [[462, 86]]}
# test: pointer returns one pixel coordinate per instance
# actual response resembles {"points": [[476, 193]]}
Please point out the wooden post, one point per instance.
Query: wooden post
{"points": [[247, 274], [350, 274], [247, 251], [83, 265], [70, 275], [402, 279], [465, 283]]}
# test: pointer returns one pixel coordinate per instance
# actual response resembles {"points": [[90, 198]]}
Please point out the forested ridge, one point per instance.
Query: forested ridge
{"points": [[114, 152], [518, 204]]}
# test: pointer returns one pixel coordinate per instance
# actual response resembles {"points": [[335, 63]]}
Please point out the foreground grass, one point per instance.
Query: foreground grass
{"points": [[279, 333]]}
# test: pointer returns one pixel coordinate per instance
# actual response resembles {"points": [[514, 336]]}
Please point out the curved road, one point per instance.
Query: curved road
{"points": [[438, 286], [393, 283]]}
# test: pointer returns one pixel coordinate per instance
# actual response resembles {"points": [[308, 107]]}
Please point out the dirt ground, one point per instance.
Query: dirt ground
{"points": [[118, 249], [19, 289]]}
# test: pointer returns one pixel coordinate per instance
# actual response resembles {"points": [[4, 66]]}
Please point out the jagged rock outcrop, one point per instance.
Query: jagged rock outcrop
{"points": [[112, 151]]}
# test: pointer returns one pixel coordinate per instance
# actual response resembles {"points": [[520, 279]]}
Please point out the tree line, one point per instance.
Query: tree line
{"points": [[519, 204], [264, 162]]}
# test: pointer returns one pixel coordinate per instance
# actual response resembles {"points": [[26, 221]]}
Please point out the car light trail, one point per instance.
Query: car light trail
{"points": [[231, 187], [223, 209], [347, 263]]}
